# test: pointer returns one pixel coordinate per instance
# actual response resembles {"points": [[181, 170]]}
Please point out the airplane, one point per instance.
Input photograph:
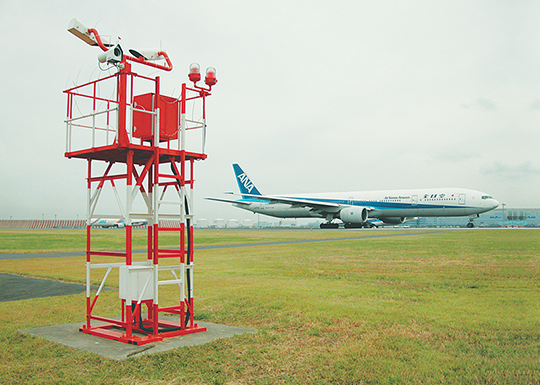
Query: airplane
{"points": [[115, 222], [356, 209]]}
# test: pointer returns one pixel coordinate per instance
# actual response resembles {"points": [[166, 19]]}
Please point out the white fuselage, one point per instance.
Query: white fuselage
{"points": [[439, 202]]}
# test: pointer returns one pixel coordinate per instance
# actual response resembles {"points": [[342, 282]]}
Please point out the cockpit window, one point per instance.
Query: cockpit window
{"points": [[487, 197]]}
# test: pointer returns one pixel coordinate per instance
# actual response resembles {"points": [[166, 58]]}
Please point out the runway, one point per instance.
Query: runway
{"points": [[17, 287]]}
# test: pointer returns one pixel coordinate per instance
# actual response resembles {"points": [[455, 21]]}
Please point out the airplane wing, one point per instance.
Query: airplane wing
{"points": [[316, 205], [299, 202]]}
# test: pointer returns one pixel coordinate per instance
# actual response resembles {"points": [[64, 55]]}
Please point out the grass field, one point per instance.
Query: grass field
{"points": [[453, 307]]}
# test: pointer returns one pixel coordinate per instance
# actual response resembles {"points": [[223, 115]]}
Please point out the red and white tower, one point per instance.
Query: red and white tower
{"points": [[134, 141]]}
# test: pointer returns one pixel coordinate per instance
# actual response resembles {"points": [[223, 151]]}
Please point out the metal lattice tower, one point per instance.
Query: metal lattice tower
{"points": [[135, 144]]}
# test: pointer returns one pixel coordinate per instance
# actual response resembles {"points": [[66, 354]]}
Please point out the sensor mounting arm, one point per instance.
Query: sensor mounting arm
{"points": [[140, 60]]}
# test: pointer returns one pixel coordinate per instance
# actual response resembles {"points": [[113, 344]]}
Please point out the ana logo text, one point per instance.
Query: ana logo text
{"points": [[248, 185]]}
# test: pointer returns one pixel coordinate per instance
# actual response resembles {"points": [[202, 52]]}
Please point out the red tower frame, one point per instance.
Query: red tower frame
{"points": [[143, 135]]}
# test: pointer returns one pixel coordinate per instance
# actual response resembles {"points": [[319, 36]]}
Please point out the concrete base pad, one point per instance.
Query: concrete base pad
{"points": [[69, 335]]}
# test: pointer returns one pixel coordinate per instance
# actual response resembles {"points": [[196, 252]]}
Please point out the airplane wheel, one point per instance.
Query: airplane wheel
{"points": [[329, 225], [470, 225]]}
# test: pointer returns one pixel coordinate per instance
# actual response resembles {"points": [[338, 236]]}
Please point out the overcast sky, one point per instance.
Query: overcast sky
{"points": [[313, 96]]}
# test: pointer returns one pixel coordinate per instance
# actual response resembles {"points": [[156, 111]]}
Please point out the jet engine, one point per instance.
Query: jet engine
{"points": [[393, 220], [121, 225], [354, 214]]}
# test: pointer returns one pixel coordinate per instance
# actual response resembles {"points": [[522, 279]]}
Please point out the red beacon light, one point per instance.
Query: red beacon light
{"points": [[210, 79], [194, 73]]}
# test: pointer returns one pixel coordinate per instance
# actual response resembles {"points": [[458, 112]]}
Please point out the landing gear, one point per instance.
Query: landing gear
{"points": [[470, 225], [333, 225], [355, 225], [329, 225]]}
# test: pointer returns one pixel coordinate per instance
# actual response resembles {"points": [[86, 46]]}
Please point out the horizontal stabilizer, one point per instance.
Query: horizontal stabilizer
{"points": [[228, 201]]}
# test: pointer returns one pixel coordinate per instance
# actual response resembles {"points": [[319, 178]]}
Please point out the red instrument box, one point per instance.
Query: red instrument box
{"points": [[169, 118]]}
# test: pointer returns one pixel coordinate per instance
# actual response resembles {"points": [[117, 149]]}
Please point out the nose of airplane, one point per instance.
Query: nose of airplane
{"points": [[495, 203]]}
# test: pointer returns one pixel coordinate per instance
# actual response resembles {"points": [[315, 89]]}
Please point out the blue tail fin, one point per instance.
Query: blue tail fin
{"points": [[245, 184]]}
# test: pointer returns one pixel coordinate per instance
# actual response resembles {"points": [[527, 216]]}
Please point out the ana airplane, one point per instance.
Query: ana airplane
{"points": [[356, 208], [115, 222]]}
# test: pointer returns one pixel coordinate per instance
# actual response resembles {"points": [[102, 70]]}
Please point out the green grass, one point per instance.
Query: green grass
{"points": [[445, 307], [36, 241]]}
